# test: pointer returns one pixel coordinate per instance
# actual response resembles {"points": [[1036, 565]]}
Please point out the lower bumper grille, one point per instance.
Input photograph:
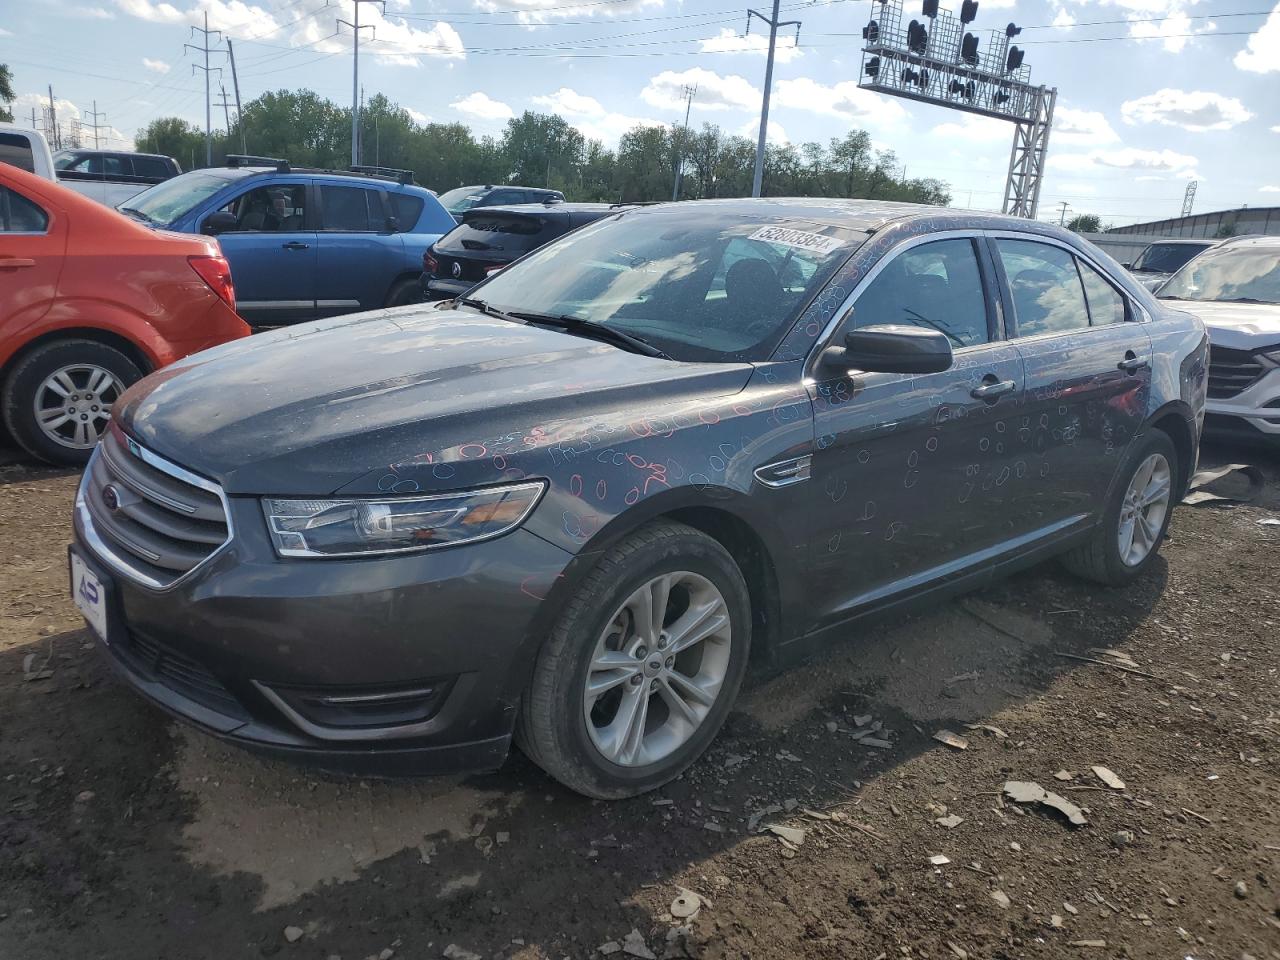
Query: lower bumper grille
{"points": [[181, 673], [1231, 372]]}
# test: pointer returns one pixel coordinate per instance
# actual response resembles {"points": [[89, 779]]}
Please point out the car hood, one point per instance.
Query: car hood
{"points": [[1242, 326], [1151, 279], [307, 410]]}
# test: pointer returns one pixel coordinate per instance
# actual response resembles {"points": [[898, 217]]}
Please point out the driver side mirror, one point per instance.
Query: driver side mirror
{"points": [[220, 222], [891, 348], [1128, 265]]}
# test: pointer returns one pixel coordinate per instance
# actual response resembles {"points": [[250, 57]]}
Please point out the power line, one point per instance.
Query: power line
{"points": [[208, 98], [1111, 23]]}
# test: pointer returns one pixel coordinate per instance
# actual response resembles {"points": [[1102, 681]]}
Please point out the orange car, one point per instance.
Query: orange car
{"points": [[91, 301]]}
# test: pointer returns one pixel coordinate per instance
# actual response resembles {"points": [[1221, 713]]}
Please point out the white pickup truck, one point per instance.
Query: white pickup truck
{"points": [[108, 176]]}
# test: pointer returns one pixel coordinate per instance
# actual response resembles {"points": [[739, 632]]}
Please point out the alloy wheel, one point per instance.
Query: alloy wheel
{"points": [[1146, 504], [73, 404], [657, 669]]}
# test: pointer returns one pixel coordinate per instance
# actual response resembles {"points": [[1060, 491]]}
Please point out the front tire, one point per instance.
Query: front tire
{"points": [[1137, 518], [404, 293], [642, 667], [58, 398]]}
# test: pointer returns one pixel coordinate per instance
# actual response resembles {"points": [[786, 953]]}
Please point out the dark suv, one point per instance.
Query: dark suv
{"points": [[461, 199], [489, 238], [569, 505]]}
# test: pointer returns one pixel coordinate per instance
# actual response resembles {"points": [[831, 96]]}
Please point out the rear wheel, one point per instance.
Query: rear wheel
{"points": [[58, 398], [643, 666], [1136, 519], [404, 292]]}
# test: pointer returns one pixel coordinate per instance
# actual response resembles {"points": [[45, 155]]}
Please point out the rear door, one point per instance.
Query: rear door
{"points": [[1088, 376], [272, 252], [359, 258], [33, 243]]}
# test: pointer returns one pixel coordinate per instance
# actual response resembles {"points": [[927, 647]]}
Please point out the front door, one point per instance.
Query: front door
{"points": [[272, 252], [910, 473], [1088, 369]]}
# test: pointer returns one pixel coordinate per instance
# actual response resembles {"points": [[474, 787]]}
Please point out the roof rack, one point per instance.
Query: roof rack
{"points": [[248, 160], [392, 173]]}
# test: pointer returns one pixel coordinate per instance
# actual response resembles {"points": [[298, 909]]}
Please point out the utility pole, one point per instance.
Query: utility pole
{"points": [[355, 73], [97, 121], [208, 96], [689, 92], [235, 84], [774, 23], [53, 121], [226, 108], [1062, 217]]}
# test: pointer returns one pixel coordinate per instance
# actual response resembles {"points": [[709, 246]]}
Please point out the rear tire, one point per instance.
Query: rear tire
{"points": [[1111, 557], [581, 736], [404, 292], [57, 398]]}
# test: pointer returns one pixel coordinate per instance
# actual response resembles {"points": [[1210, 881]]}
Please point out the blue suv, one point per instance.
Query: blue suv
{"points": [[302, 243]]}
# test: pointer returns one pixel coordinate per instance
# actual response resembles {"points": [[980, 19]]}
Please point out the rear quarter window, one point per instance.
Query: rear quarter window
{"points": [[407, 209]]}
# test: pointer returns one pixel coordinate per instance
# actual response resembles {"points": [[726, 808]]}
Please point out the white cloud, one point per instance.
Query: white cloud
{"points": [[541, 11], [775, 135], [154, 12], [1269, 189], [417, 116], [1083, 127], [5, 33], [844, 100], [729, 41], [975, 129], [666, 91], [91, 13], [590, 116], [69, 115], [1172, 31], [1180, 165], [1261, 54], [1276, 129], [156, 66], [483, 106], [1195, 110], [1063, 19]]}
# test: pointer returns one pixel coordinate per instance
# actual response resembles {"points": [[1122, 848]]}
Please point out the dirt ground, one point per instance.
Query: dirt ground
{"points": [[125, 836]]}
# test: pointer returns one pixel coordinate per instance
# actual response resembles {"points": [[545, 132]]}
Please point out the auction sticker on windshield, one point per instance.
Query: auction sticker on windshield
{"points": [[88, 593], [800, 239]]}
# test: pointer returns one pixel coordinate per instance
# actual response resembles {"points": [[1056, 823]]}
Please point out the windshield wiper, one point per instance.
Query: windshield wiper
{"points": [[134, 211], [595, 331], [484, 308]]}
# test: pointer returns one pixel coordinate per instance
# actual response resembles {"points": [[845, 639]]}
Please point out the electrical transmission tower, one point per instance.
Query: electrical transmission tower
{"points": [[97, 124], [1189, 198], [774, 23], [688, 91], [355, 72], [208, 96]]}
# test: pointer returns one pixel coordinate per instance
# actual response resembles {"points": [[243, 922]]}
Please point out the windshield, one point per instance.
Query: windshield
{"points": [[1229, 273], [463, 198], [700, 283], [63, 159], [166, 202], [1168, 257]]}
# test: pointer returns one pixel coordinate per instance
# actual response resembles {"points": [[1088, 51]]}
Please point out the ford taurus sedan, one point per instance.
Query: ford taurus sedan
{"points": [[569, 507]]}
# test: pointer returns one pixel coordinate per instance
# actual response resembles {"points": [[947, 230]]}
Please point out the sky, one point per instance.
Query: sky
{"points": [[1151, 93]]}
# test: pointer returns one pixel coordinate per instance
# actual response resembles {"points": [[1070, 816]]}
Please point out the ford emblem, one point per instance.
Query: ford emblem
{"points": [[456, 269], [111, 497]]}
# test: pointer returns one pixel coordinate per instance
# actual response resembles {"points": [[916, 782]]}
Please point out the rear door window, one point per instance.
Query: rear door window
{"points": [[15, 150], [351, 209], [1048, 295], [116, 166], [153, 168], [20, 215]]}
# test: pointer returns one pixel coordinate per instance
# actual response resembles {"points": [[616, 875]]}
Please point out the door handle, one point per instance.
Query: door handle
{"points": [[12, 263], [1132, 363], [990, 390], [295, 245]]}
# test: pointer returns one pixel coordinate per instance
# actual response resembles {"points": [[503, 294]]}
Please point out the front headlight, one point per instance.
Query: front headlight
{"points": [[346, 528]]}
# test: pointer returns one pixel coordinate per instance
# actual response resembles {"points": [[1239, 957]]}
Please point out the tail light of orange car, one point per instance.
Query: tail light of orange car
{"points": [[216, 272]]}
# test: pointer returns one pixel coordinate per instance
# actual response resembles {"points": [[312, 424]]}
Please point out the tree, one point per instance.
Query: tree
{"points": [[174, 138], [1085, 223], [6, 93]]}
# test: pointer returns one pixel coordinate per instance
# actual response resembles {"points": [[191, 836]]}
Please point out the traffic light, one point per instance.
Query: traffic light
{"points": [[1014, 60], [931, 8], [969, 49], [872, 67], [1012, 30], [871, 32], [1001, 98], [917, 37], [968, 11], [965, 90], [917, 78]]}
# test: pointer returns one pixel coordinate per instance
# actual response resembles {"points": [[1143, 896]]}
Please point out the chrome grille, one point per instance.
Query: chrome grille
{"points": [[154, 519], [1231, 372]]}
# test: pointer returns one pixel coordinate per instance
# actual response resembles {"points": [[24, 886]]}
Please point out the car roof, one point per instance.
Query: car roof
{"points": [[1207, 241], [1253, 241], [338, 176], [543, 208]]}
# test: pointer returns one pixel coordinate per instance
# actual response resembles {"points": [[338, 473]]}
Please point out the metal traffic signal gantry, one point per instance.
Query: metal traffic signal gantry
{"points": [[935, 59]]}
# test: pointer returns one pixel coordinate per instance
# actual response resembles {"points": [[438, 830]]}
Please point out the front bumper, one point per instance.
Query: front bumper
{"points": [[1255, 411], [246, 644]]}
